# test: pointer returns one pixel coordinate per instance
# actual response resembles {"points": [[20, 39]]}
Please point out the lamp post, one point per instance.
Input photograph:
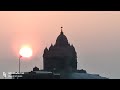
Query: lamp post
{"points": [[19, 62]]}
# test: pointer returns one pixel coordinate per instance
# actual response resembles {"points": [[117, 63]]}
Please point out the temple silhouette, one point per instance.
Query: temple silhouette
{"points": [[61, 56], [59, 62]]}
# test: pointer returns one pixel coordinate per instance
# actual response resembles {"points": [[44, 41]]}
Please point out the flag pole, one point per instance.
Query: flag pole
{"points": [[19, 62]]}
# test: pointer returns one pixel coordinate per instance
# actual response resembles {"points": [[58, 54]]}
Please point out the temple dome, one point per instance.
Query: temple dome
{"points": [[61, 40]]}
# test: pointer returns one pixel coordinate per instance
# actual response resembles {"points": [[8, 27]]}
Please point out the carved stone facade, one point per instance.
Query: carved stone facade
{"points": [[61, 56]]}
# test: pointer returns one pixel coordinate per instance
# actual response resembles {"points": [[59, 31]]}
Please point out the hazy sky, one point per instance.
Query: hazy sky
{"points": [[95, 35]]}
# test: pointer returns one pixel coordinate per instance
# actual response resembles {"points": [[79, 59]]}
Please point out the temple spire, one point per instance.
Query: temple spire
{"points": [[61, 30]]}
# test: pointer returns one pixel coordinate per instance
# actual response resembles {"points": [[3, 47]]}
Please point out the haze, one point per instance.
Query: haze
{"points": [[95, 35]]}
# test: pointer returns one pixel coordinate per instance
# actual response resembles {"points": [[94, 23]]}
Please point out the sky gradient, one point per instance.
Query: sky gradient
{"points": [[95, 35]]}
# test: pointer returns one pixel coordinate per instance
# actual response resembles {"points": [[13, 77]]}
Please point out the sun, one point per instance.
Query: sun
{"points": [[25, 52]]}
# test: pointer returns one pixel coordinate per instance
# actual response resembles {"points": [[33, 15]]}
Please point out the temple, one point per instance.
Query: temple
{"points": [[59, 62], [61, 56]]}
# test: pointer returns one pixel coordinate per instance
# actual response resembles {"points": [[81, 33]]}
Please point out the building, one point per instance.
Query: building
{"points": [[61, 56], [59, 62]]}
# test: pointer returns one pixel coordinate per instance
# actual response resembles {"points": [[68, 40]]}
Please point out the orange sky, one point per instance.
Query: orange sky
{"points": [[95, 35]]}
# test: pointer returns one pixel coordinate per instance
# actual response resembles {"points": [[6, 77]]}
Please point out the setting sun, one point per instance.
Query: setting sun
{"points": [[25, 52]]}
